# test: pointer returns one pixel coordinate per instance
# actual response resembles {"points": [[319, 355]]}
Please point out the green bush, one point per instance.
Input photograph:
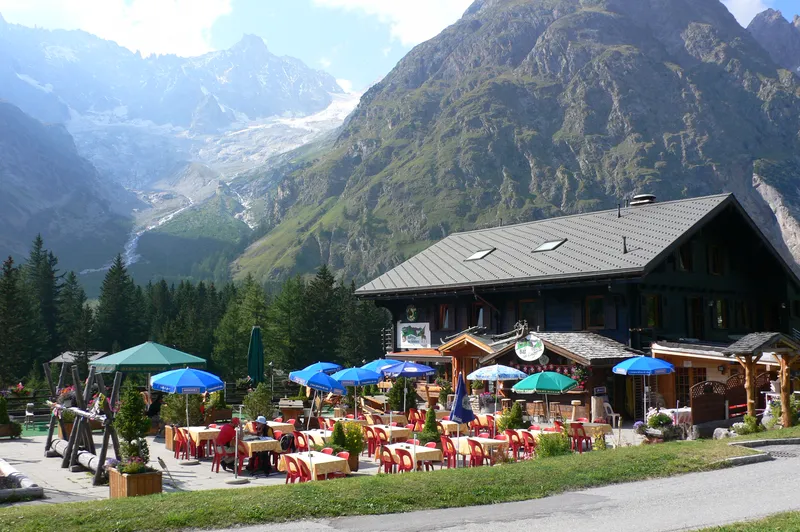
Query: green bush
{"points": [[776, 412], [258, 402], [658, 421], [132, 424], [216, 400], [511, 419], [477, 387], [395, 395], [4, 419], [555, 444], [337, 438], [430, 431], [750, 425], [173, 410], [445, 389], [353, 438]]}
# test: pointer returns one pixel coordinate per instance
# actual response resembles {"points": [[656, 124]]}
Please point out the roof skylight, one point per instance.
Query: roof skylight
{"points": [[549, 246], [478, 255]]}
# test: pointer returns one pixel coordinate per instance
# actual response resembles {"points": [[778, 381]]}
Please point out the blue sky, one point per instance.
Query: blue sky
{"points": [[357, 41]]}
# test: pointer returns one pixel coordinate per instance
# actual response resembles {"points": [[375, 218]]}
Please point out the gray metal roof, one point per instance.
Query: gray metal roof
{"points": [[591, 348], [754, 342], [593, 248]]}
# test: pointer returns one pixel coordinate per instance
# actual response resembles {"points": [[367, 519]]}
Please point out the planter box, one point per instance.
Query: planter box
{"points": [[169, 435], [8, 431], [222, 414], [352, 461], [125, 485], [68, 428]]}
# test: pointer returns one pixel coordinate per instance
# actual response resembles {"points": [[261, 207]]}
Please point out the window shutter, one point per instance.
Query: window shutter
{"points": [[577, 315], [610, 312]]}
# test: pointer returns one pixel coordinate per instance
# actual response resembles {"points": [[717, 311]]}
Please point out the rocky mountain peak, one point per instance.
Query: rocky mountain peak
{"points": [[251, 44], [779, 37]]}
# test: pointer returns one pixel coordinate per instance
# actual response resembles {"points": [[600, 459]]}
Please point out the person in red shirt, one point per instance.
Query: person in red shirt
{"points": [[227, 440]]}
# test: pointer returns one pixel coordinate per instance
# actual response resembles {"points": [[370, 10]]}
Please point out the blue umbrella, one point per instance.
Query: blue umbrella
{"points": [[380, 364], [461, 412], [326, 367], [317, 380], [407, 369], [644, 366], [186, 381], [497, 372], [356, 377]]}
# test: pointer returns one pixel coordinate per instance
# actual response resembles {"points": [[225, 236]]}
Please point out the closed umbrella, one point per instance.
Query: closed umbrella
{"points": [[545, 383], [496, 373], [255, 356], [356, 377], [408, 370], [461, 411]]}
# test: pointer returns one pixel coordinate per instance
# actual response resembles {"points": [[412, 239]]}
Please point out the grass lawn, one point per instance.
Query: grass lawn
{"points": [[785, 522], [374, 494]]}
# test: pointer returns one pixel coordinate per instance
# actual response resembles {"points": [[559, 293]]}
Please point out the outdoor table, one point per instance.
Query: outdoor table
{"points": [[395, 433], [281, 426], [451, 427], [201, 435], [400, 419], [575, 405], [260, 446], [490, 445], [418, 452], [595, 430], [441, 414], [318, 463], [318, 436], [361, 422]]}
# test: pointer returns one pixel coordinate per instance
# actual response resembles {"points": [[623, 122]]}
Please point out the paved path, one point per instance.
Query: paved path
{"points": [[679, 503]]}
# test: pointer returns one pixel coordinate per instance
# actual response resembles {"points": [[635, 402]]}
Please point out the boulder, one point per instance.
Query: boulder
{"points": [[721, 434]]}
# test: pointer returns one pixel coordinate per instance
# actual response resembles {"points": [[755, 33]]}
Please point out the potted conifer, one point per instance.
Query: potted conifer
{"points": [[8, 427], [430, 431], [132, 476], [353, 443]]}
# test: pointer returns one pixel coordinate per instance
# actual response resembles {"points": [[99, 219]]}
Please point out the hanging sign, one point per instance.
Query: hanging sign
{"points": [[414, 335], [529, 348]]}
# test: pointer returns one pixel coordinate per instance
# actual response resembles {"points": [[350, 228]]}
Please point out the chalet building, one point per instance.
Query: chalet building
{"points": [[679, 279]]}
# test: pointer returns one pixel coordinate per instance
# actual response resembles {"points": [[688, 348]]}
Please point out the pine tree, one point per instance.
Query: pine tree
{"points": [[285, 337], [115, 326], [360, 329], [20, 345], [233, 333], [70, 310], [322, 304], [42, 279]]}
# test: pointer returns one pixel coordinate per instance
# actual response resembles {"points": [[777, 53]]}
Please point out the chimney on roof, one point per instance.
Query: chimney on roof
{"points": [[619, 210], [643, 199], [624, 245]]}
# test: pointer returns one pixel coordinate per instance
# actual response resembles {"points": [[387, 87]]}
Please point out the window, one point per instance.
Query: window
{"points": [[720, 314], [652, 311], [479, 316], [478, 255], [698, 375], [595, 312], [549, 246], [684, 258], [743, 315], [447, 318], [715, 260]]}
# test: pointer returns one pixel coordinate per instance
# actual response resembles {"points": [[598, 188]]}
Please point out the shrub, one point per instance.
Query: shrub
{"points": [[173, 410], [639, 427], [659, 420], [258, 402], [477, 387], [750, 425], [131, 423], [4, 419], [430, 431], [445, 389], [776, 412], [216, 400], [353, 438], [555, 444], [395, 395], [511, 419], [338, 438]]}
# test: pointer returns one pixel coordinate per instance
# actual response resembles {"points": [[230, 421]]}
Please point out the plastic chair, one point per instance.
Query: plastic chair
{"points": [[278, 420], [387, 462], [410, 426], [529, 445], [406, 461], [340, 474], [582, 420], [490, 428], [292, 470], [372, 440], [446, 418], [413, 416], [180, 445], [350, 416], [361, 417], [377, 420], [300, 441], [440, 427], [578, 438], [412, 442], [305, 472], [427, 463], [611, 414], [382, 436], [534, 427], [477, 456], [393, 424], [484, 435], [328, 450], [449, 454], [558, 426], [291, 421], [29, 415], [514, 442]]}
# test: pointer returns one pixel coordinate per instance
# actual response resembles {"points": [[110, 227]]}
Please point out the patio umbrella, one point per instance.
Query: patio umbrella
{"points": [[461, 411], [380, 364], [317, 381], [545, 383], [356, 377], [327, 367], [186, 381], [409, 370], [644, 366], [255, 356], [148, 357], [496, 373]]}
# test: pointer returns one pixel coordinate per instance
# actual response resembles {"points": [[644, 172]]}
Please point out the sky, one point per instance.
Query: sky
{"points": [[357, 41]]}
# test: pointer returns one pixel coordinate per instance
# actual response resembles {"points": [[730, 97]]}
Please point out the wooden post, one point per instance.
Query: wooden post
{"points": [[107, 428], [749, 362], [786, 361], [54, 396]]}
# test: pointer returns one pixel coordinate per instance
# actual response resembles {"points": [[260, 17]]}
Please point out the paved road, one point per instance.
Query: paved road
{"points": [[678, 503]]}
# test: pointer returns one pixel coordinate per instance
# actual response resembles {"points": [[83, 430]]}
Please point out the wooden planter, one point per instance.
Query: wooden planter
{"points": [[68, 428], [169, 435], [7, 431], [221, 414], [125, 485], [352, 461]]}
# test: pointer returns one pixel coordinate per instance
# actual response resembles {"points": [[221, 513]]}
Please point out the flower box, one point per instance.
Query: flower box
{"points": [[169, 436], [125, 485]]}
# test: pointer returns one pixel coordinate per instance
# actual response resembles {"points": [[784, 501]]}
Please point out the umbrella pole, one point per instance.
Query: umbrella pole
{"points": [[190, 461], [236, 479], [187, 411]]}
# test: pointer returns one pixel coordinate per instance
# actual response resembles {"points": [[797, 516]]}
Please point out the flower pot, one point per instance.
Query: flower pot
{"points": [[169, 435], [352, 461], [125, 485], [67, 428], [8, 430]]}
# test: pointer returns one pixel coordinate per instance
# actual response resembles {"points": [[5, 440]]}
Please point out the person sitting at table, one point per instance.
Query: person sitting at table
{"points": [[263, 458], [227, 440]]}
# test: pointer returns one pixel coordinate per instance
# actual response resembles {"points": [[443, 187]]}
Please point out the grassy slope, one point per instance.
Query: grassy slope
{"points": [[374, 494], [789, 521]]}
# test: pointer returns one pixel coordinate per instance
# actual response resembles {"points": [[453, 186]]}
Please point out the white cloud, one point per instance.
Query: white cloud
{"points": [[179, 27], [745, 10], [411, 21], [386, 51], [346, 85], [325, 62]]}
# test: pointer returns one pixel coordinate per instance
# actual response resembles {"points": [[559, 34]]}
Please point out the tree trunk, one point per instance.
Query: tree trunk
{"points": [[786, 394], [749, 383]]}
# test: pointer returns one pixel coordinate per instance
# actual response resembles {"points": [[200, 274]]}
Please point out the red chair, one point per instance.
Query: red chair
{"points": [[449, 454], [490, 424], [180, 445], [350, 416], [514, 442], [387, 462], [578, 438], [484, 435], [582, 420], [292, 470], [529, 445], [278, 420], [377, 420], [382, 436], [406, 461], [477, 456], [305, 472], [393, 424], [361, 417], [446, 418], [559, 426], [410, 426], [300, 441], [419, 426], [534, 427], [550, 429], [427, 463], [328, 450], [212, 426], [372, 440], [291, 421], [220, 453], [413, 415], [340, 474], [412, 442], [474, 426]]}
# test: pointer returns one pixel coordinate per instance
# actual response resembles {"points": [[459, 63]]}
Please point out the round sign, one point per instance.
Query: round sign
{"points": [[544, 360], [411, 313], [529, 348]]}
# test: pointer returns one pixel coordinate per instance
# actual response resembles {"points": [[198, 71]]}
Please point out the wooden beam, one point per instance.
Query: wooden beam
{"points": [[786, 364], [749, 362]]}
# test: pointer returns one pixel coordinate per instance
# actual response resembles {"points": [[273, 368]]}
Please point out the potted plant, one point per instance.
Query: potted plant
{"points": [[477, 387], [132, 476], [430, 431], [8, 428], [511, 419], [68, 419], [353, 443]]}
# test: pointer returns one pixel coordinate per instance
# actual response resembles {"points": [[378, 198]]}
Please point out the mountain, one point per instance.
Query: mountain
{"points": [[779, 37], [49, 189], [528, 109]]}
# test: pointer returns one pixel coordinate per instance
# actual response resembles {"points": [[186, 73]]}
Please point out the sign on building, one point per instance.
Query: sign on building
{"points": [[414, 335], [530, 348]]}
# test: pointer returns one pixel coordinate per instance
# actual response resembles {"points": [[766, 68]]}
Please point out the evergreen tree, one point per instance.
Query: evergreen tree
{"points": [[70, 311], [19, 327], [360, 329], [285, 337], [115, 324], [233, 333], [322, 305], [41, 277]]}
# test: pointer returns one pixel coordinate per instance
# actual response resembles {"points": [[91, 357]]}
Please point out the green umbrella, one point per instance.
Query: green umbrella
{"points": [[546, 382], [148, 357], [255, 356]]}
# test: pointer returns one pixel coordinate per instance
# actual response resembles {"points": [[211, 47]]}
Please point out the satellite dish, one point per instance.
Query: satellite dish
{"points": [[544, 360], [529, 348]]}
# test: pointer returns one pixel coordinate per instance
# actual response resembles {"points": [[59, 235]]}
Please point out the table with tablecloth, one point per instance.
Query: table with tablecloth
{"points": [[395, 433], [594, 430], [318, 436], [261, 446], [483, 420], [281, 426], [441, 414], [202, 435], [400, 419], [343, 420], [490, 445], [318, 463], [419, 452], [451, 427]]}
